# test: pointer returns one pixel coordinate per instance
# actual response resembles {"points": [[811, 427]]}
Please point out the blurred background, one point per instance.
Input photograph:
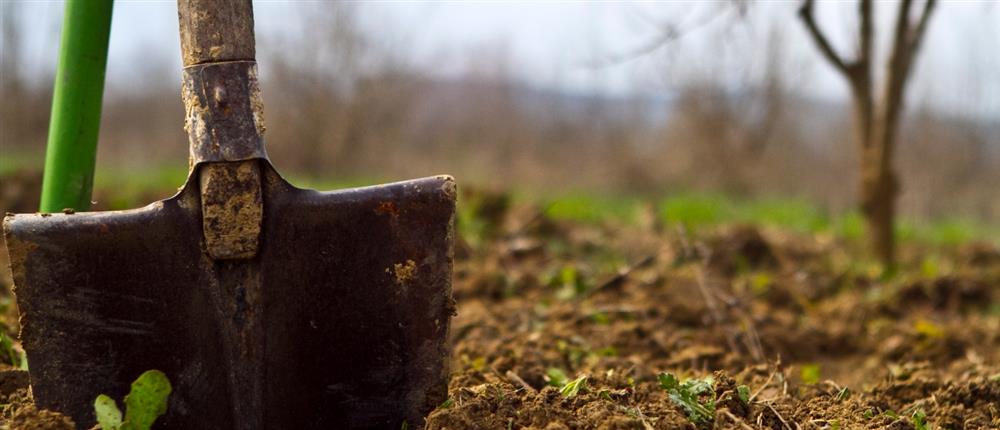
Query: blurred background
{"points": [[722, 101]]}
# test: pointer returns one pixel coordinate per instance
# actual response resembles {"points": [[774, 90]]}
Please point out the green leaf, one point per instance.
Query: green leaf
{"points": [[844, 394], [600, 318], [687, 396], [607, 351], [10, 355], [557, 378], [669, 382], [478, 364], [760, 282], [744, 392], [447, 404], [605, 394], [109, 417], [572, 388], [919, 419], [928, 329], [147, 400], [810, 374]]}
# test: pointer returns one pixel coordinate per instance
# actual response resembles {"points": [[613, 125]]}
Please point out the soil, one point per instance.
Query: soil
{"points": [[820, 338]]}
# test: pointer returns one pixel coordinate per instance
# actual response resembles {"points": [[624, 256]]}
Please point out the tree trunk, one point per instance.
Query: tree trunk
{"points": [[876, 125], [879, 190]]}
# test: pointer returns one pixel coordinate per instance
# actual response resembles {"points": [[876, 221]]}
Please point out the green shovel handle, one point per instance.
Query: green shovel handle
{"points": [[76, 106]]}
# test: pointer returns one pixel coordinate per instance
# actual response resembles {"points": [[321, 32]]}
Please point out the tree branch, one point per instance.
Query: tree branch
{"points": [[806, 13], [865, 35], [899, 40], [669, 33], [918, 32]]}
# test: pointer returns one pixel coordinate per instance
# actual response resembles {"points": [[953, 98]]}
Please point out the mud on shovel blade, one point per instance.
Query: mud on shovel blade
{"points": [[267, 306]]}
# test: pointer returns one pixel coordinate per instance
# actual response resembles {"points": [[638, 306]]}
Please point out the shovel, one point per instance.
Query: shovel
{"points": [[266, 305]]}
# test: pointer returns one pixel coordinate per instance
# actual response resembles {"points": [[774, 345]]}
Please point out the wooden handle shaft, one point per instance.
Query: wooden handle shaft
{"points": [[216, 30]]}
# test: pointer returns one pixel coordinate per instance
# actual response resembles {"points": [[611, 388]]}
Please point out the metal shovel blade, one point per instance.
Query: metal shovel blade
{"points": [[339, 321]]}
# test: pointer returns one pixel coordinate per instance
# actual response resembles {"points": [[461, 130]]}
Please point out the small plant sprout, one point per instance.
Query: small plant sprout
{"points": [[556, 377], [572, 388], [571, 284], [919, 419], [11, 355], [810, 374], [743, 392], [605, 394], [843, 394], [688, 395], [447, 404], [146, 402]]}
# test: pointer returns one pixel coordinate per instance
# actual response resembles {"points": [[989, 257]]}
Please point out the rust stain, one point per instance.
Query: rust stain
{"points": [[17, 253], [387, 208], [404, 272]]}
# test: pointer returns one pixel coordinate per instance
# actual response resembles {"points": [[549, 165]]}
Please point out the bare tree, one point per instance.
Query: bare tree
{"points": [[876, 114]]}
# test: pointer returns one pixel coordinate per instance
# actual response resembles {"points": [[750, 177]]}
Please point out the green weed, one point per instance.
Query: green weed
{"points": [[843, 394], [810, 374], [570, 282], [11, 355], [572, 388], [688, 395], [556, 377], [743, 392], [146, 402], [447, 404], [919, 419]]}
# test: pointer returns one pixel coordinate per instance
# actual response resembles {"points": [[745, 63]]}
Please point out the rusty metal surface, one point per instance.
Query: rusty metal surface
{"points": [[224, 114], [340, 321]]}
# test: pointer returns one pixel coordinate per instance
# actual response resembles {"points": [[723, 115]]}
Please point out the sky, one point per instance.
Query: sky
{"points": [[578, 46]]}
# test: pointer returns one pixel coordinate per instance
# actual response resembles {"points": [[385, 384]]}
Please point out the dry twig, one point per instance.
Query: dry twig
{"points": [[515, 378], [735, 419]]}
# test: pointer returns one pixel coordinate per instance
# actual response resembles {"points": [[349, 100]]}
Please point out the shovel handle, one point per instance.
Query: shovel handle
{"points": [[224, 112], [216, 30], [224, 121]]}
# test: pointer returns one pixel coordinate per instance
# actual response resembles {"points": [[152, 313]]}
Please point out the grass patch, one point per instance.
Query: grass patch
{"points": [[136, 187], [11, 161], [700, 210], [592, 208], [695, 210]]}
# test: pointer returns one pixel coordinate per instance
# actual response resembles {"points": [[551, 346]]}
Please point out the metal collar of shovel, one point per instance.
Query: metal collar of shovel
{"points": [[267, 306], [225, 124]]}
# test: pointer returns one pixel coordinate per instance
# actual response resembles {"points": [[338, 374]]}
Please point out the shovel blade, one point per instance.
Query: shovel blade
{"points": [[340, 321]]}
